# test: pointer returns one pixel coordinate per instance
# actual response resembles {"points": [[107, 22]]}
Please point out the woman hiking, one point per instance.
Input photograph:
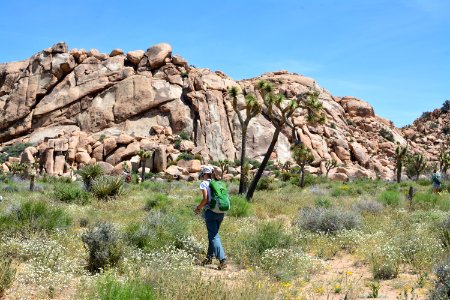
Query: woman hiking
{"points": [[436, 180], [213, 218]]}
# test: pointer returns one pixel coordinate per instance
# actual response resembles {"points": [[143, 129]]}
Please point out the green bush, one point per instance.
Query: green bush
{"points": [[90, 173], [103, 245], [157, 230], [390, 197], [132, 289], [107, 187], [156, 201], [239, 206], [328, 220], [7, 274], [70, 193], [269, 236], [426, 200], [423, 182], [11, 188], [34, 215], [444, 232], [265, 184], [13, 151], [185, 156], [184, 135], [387, 134], [323, 202]]}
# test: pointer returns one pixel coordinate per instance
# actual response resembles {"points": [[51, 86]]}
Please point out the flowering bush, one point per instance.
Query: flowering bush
{"points": [[327, 220]]}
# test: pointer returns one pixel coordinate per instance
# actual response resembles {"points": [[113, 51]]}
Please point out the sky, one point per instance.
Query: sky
{"points": [[394, 54]]}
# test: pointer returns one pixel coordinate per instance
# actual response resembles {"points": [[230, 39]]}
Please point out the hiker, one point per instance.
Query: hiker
{"points": [[436, 180], [213, 218]]}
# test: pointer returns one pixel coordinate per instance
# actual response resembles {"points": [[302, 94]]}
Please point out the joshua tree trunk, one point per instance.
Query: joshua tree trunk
{"points": [[142, 170], [302, 176], [399, 172], [261, 168], [242, 180], [32, 181]]}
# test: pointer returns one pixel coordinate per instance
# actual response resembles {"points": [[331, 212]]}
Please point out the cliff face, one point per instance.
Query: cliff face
{"points": [[150, 96]]}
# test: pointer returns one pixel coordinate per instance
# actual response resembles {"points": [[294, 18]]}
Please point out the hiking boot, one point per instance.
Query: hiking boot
{"points": [[222, 265], [207, 261]]}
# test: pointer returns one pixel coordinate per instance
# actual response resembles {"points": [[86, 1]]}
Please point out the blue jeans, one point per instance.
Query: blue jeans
{"points": [[213, 221]]}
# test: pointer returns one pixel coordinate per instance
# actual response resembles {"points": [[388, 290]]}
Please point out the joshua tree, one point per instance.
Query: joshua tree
{"points": [[444, 162], [143, 156], [416, 164], [303, 157], [224, 166], [32, 171], [400, 156], [280, 113], [445, 106], [330, 165], [252, 109]]}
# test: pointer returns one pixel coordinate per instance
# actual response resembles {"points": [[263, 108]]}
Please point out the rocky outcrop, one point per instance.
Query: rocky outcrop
{"points": [[81, 107]]}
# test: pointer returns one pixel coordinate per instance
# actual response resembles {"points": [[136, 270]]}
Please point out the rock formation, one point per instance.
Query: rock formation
{"points": [[78, 107]]}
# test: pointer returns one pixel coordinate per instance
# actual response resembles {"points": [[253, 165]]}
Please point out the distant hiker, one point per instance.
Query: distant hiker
{"points": [[216, 203], [436, 180]]}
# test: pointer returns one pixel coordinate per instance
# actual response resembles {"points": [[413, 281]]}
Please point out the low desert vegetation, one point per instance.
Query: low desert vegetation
{"points": [[347, 240]]}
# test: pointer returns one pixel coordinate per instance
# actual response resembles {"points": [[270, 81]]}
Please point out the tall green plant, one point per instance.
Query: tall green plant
{"points": [[303, 157], [252, 109], [89, 173], [279, 111], [330, 165], [400, 156], [416, 164], [143, 156]]}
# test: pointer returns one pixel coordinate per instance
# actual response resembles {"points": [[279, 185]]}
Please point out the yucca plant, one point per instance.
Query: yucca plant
{"points": [[107, 187], [416, 164], [330, 165], [89, 173]]}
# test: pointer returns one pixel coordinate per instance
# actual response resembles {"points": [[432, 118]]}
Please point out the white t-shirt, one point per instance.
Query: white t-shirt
{"points": [[204, 185]]}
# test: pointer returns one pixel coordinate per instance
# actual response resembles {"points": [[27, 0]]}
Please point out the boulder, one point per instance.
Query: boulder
{"points": [[135, 56], [174, 171], [82, 158], [49, 161], [60, 162], [186, 145], [125, 139], [360, 153], [194, 166], [160, 159], [116, 52], [339, 177], [157, 54], [27, 157], [109, 145], [356, 107], [106, 167]]}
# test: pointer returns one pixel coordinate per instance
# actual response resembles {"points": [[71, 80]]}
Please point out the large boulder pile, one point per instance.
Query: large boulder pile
{"points": [[64, 100]]}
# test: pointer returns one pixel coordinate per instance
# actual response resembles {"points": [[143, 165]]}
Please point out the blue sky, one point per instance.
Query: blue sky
{"points": [[395, 54]]}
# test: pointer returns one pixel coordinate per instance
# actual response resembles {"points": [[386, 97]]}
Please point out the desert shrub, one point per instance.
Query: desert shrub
{"points": [[109, 288], [390, 197], [185, 156], [441, 288], [70, 193], [346, 190], [287, 264], [327, 220], [444, 232], [103, 245], [89, 173], [387, 134], [11, 188], [385, 262], [323, 202], [13, 151], [265, 184], [156, 201], [7, 274], [369, 206], [158, 187], [423, 182], [445, 106], [157, 230], [34, 215], [426, 200], [268, 236], [239, 206], [184, 135], [107, 187], [446, 130], [425, 115]]}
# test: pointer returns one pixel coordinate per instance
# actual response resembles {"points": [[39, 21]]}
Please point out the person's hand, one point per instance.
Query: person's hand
{"points": [[197, 210]]}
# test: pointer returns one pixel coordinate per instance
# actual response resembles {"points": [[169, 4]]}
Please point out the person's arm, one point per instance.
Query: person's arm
{"points": [[204, 201]]}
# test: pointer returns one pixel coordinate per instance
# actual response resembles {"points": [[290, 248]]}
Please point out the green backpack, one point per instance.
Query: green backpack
{"points": [[219, 194]]}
